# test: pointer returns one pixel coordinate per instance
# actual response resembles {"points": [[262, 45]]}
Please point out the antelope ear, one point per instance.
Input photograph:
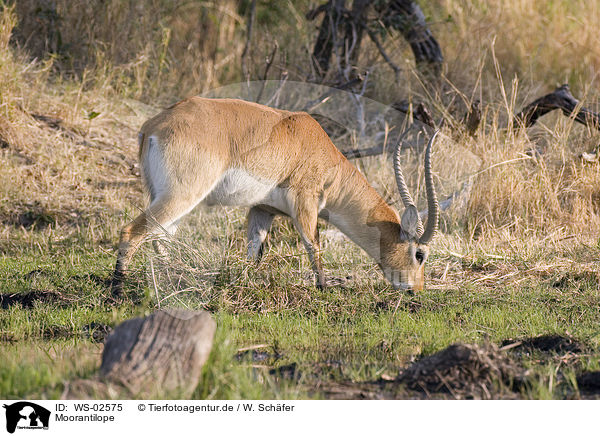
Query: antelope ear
{"points": [[410, 221]]}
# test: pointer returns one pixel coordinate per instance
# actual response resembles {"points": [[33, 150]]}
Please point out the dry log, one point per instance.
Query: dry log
{"points": [[363, 152], [163, 352], [159, 355], [561, 99]]}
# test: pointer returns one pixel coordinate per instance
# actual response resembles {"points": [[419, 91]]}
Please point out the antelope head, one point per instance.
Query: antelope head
{"points": [[405, 251]]}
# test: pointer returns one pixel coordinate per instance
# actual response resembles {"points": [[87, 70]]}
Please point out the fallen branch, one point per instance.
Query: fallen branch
{"points": [[363, 152], [58, 125], [561, 99]]}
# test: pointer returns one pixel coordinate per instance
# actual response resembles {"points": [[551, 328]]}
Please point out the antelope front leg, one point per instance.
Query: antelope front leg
{"points": [[306, 223]]}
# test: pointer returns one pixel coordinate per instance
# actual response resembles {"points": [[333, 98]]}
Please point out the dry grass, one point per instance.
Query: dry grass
{"points": [[542, 43], [82, 167]]}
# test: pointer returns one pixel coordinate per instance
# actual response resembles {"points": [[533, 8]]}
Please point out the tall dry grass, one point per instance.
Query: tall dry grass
{"points": [[101, 53], [153, 49], [62, 169], [543, 43]]}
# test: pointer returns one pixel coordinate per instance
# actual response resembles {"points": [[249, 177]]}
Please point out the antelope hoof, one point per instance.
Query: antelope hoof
{"points": [[116, 286]]}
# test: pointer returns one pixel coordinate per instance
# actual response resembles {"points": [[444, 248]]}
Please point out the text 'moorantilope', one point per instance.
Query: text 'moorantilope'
{"points": [[236, 153]]}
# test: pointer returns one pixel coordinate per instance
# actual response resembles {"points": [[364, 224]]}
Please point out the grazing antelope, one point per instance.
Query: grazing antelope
{"points": [[236, 153]]}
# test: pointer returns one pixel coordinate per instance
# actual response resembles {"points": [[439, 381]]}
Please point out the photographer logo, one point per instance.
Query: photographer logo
{"points": [[26, 415]]}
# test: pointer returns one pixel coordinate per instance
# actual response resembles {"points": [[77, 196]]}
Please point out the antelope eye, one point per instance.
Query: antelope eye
{"points": [[420, 256]]}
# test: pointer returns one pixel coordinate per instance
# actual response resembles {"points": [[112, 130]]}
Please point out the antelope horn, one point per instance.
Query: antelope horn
{"points": [[402, 188], [432, 202]]}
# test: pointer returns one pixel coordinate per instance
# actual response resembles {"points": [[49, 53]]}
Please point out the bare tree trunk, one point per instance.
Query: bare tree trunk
{"points": [[355, 28], [342, 31], [328, 35], [407, 17]]}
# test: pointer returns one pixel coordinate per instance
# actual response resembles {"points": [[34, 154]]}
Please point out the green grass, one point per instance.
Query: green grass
{"points": [[356, 333]]}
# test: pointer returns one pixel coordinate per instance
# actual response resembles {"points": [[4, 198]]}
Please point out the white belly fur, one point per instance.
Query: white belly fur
{"points": [[238, 188]]}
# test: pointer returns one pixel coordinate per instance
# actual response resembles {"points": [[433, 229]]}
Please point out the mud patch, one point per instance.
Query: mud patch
{"points": [[37, 219], [7, 338], [546, 344], [96, 332], [589, 383], [57, 332], [28, 299], [286, 372], [257, 356], [359, 391], [465, 371]]}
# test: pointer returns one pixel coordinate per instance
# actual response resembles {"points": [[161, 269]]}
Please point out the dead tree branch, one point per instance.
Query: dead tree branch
{"points": [[561, 99], [363, 152], [383, 53], [269, 61], [419, 112]]}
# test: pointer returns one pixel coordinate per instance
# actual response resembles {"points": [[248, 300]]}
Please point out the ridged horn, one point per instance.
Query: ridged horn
{"points": [[433, 212], [402, 188]]}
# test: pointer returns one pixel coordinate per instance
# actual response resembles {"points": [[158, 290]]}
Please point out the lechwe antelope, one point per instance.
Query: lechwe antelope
{"points": [[236, 153]]}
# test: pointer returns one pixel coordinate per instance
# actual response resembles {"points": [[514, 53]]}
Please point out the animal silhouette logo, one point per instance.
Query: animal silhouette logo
{"points": [[27, 415]]}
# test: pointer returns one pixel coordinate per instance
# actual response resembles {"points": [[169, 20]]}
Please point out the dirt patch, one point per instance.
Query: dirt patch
{"points": [[546, 344], [96, 332], [28, 299], [257, 356], [589, 383], [359, 391], [465, 371], [8, 338], [33, 219], [286, 372], [57, 332]]}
